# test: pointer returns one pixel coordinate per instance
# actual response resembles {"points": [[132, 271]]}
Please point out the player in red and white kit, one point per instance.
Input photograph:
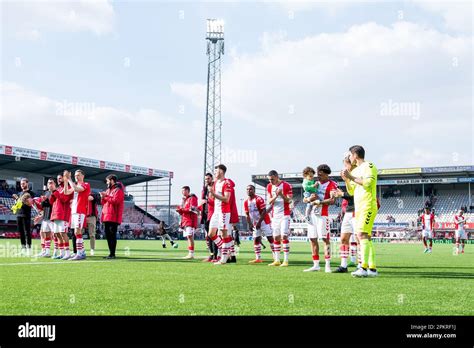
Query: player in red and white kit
{"points": [[320, 224], [258, 221], [460, 234], [43, 206], [279, 197], [189, 218], [60, 215], [427, 223], [221, 191], [79, 205], [234, 220]]}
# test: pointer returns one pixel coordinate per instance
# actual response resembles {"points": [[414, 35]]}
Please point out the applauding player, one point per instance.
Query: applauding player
{"points": [[258, 221]]}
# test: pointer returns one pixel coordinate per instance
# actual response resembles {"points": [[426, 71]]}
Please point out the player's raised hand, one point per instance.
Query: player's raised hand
{"points": [[336, 193]]}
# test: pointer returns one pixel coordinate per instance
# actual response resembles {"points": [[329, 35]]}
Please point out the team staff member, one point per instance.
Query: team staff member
{"points": [[23, 216], [112, 208], [91, 219]]}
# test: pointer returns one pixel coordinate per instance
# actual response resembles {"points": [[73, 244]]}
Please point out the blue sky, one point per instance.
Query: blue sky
{"points": [[324, 70]]}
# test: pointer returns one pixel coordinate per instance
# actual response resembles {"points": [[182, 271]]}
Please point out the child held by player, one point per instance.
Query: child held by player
{"points": [[310, 184]]}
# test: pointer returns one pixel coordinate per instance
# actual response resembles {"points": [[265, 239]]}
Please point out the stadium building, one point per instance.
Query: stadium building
{"points": [[38, 166], [403, 193]]}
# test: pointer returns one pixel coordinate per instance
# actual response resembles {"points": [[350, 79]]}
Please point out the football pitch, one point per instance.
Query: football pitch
{"points": [[146, 279]]}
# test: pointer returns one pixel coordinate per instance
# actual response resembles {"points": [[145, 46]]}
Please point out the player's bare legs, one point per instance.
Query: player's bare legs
{"points": [[327, 254], [344, 251], [218, 240], [47, 244], [42, 239], [286, 250], [276, 251], [190, 247], [257, 247], [224, 248], [271, 240], [315, 254]]}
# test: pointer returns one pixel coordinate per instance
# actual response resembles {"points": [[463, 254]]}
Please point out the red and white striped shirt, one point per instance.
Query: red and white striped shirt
{"points": [[280, 207], [427, 221], [253, 206], [459, 222], [324, 192], [221, 187]]}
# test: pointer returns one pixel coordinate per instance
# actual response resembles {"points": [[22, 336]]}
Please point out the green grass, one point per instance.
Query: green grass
{"points": [[155, 281]]}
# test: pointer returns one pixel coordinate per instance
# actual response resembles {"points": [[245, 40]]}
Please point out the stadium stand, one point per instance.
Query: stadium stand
{"points": [[132, 214], [403, 193]]}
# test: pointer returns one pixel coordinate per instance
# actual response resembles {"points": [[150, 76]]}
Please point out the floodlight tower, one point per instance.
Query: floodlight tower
{"points": [[215, 49]]}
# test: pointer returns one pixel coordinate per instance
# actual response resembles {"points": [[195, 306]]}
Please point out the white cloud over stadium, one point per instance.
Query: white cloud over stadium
{"points": [[325, 86]]}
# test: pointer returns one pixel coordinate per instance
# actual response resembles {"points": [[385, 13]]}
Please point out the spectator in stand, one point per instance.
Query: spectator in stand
{"points": [[112, 209], [23, 215]]}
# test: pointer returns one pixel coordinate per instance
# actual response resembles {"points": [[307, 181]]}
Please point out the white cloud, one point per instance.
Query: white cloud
{"points": [[457, 15], [30, 19], [195, 92], [328, 90], [143, 137], [330, 7]]}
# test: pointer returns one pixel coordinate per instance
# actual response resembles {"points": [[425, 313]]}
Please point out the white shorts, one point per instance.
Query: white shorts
{"points": [[427, 234], [78, 221], [460, 234], [319, 227], [221, 221], [47, 226], [188, 231], [281, 225], [347, 225], [264, 231], [59, 226]]}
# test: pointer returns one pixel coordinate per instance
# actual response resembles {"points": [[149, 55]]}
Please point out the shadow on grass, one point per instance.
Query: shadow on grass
{"points": [[430, 267], [183, 249], [434, 275], [157, 259]]}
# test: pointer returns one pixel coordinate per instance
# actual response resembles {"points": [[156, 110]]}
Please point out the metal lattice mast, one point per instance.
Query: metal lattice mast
{"points": [[215, 50]]}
